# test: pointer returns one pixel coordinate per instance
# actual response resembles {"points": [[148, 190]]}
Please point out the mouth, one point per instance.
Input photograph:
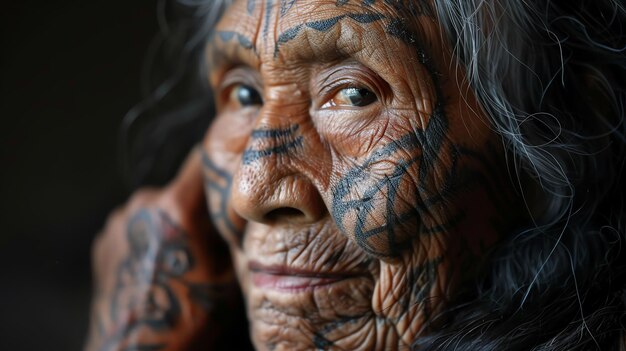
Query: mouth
{"points": [[293, 280]]}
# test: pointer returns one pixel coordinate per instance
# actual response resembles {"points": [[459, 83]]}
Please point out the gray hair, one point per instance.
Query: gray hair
{"points": [[551, 76]]}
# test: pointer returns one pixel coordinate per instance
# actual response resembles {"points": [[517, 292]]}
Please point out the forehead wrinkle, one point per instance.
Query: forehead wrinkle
{"points": [[346, 39], [295, 15], [322, 19], [243, 28], [330, 45]]}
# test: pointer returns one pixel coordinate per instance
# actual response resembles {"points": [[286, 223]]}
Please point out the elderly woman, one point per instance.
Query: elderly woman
{"points": [[397, 174]]}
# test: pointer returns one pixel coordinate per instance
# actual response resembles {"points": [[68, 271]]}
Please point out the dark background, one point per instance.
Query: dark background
{"points": [[69, 71]]}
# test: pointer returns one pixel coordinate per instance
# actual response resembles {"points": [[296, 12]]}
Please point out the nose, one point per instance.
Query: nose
{"points": [[274, 183]]}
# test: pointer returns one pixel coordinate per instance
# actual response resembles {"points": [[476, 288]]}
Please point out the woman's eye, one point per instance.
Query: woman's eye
{"points": [[246, 96], [356, 97]]}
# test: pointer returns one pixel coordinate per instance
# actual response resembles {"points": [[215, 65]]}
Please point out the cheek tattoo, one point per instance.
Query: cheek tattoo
{"points": [[401, 214], [218, 183], [402, 198]]}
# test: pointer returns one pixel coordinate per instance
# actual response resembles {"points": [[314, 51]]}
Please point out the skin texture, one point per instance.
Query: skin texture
{"points": [[349, 170], [162, 278]]}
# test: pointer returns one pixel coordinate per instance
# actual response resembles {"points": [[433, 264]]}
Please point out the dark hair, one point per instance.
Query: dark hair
{"points": [[177, 104], [551, 76]]}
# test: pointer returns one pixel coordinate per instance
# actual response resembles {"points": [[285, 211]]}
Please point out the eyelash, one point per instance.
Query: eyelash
{"points": [[332, 90], [235, 92], [234, 80], [239, 78]]}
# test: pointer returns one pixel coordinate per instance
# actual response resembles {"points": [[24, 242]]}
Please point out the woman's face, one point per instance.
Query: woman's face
{"points": [[349, 169]]}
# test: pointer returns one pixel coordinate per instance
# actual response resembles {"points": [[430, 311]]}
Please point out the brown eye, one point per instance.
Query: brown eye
{"points": [[358, 96], [246, 96], [354, 97]]}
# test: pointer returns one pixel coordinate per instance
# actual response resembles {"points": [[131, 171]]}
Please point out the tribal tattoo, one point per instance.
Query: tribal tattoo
{"points": [[218, 183], [402, 215], [285, 139], [152, 283], [243, 41], [323, 26], [416, 8], [458, 168], [424, 204]]}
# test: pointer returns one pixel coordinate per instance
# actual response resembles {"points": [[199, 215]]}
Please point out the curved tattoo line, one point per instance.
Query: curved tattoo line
{"points": [[320, 340], [228, 35], [221, 213], [323, 26], [419, 283], [430, 142]]}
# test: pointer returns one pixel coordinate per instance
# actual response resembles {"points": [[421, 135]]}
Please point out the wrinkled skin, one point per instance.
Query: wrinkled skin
{"points": [[349, 169]]}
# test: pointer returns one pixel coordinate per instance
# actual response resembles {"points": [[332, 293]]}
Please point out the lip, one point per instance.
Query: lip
{"points": [[293, 280]]}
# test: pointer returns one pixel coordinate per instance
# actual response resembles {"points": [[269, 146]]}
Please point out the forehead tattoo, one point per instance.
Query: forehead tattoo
{"points": [[395, 26]]}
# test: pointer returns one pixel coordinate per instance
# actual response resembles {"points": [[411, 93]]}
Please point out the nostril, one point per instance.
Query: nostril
{"points": [[285, 213]]}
